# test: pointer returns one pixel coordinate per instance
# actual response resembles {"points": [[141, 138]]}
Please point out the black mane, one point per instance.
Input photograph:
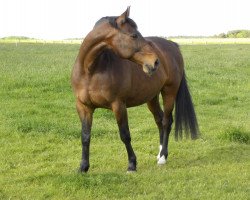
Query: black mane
{"points": [[106, 59], [112, 21]]}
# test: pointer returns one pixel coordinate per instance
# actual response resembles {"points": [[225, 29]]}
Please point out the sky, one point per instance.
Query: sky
{"points": [[62, 19]]}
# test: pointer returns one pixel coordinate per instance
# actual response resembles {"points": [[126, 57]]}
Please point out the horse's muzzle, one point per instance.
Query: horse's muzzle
{"points": [[150, 69]]}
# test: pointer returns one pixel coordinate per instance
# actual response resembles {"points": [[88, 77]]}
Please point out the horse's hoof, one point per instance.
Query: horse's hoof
{"points": [[84, 168], [161, 160], [132, 166], [131, 171]]}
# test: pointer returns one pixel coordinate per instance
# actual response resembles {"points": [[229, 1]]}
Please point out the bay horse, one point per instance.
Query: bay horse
{"points": [[117, 68]]}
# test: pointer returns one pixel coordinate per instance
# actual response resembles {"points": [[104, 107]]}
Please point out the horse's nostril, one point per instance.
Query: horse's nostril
{"points": [[157, 62], [153, 69]]}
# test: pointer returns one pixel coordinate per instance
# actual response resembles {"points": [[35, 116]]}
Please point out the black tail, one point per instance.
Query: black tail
{"points": [[185, 118]]}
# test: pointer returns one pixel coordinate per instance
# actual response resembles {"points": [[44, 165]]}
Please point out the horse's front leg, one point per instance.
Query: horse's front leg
{"points": [[86, 116], [120, 112]]}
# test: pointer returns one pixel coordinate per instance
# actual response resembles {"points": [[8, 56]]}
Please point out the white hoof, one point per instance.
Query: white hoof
{"points": [[161, 160]]}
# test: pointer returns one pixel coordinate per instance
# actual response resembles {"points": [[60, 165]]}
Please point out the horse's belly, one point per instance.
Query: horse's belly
{"points": [[138, 101], [141, 97], [144, 92]]}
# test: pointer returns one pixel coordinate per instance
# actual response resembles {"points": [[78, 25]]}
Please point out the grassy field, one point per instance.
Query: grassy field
{"points": [[40, 145]]}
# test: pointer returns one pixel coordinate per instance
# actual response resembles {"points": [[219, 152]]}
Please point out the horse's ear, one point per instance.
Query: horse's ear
{"points": [[122, 18]]}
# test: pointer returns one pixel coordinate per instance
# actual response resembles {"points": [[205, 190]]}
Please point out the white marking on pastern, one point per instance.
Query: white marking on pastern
{"points": [[159, 154]]}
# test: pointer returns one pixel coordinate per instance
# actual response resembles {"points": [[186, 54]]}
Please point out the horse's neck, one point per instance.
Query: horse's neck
{"points": [[92, 46]]}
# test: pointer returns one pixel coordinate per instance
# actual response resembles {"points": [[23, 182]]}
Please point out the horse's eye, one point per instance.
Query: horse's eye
{"points": [[134, 36]]}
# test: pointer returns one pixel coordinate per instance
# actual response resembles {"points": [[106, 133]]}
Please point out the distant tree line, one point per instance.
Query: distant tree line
{"points": [[235, 34]]}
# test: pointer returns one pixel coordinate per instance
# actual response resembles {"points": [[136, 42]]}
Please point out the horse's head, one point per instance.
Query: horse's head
{"points": [[127, 42]]}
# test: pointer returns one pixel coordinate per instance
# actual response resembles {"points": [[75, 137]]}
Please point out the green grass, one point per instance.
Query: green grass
{"points": [[40, 146]]}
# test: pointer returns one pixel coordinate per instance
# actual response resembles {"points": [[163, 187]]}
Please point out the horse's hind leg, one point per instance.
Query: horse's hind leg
{"points": [[120, 112], [168, 104], [155, 108]]}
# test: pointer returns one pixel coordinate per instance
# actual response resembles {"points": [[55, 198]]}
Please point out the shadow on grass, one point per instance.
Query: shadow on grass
{"points": [[231, 154]]}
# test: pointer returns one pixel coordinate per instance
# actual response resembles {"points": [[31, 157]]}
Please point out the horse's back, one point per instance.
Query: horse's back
{"points": [[170, 57], [164, 44]]}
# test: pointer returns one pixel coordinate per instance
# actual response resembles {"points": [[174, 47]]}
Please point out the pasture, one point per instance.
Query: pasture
{"points": [[40, 146]]}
